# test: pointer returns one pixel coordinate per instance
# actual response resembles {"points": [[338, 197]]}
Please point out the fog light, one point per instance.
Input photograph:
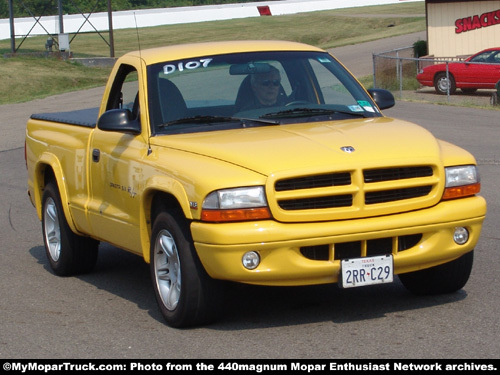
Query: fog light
{"points": [[461, 235], [251, 260]]}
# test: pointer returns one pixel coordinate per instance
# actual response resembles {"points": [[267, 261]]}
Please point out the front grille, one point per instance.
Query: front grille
{"points": [[390, 174], [396, 194], [358, 249], [353, 193], [316, 203], [311, 182]]}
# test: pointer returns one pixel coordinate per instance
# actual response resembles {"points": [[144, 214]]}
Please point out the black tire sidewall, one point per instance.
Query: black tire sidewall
{"points": [[78, 254], [193, 302], [60, 266], [445, 278]]}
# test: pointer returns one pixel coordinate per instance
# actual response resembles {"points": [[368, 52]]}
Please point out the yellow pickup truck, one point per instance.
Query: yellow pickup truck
{"points": [[258, 162]]}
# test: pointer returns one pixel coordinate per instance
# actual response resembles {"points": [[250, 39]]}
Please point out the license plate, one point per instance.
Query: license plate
{"points": [[366, 271]]}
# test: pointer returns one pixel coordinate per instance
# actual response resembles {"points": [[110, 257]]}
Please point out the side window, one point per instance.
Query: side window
{"points": [[496, 58], [125, 90], [483, 57], [130, 92]]}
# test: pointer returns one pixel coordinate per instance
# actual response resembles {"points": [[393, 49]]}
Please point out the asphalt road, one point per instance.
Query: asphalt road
{"points": [[112, 313]]}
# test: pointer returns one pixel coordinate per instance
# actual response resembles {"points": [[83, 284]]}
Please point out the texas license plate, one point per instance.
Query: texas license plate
{"points": [[366, 271]]}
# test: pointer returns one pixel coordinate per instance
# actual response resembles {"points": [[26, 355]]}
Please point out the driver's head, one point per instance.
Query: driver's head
{"points": [[266, 86]]}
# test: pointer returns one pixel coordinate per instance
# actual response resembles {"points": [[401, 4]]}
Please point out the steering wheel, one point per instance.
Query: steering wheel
{"points": [[297, 102]]}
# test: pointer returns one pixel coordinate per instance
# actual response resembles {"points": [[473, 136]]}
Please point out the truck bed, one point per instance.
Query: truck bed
{"points": [[82, 117]]}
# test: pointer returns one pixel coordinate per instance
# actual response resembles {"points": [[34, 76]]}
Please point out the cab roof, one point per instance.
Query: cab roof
{"points": [[183, 51]]}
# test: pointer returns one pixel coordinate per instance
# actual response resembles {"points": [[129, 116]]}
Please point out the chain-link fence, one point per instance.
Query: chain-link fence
{"points": [[396, 70]]}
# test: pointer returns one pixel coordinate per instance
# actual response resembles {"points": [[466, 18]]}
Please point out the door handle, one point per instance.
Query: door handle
{"points": [[96, 155]]}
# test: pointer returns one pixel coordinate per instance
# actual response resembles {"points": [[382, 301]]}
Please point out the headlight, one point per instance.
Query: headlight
{"points": [[461, 181], [238, 204], [461, 175]]}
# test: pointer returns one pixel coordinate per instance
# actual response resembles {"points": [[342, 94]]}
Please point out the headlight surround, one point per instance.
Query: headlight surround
{"points": [[236, 204], [461, 181]]}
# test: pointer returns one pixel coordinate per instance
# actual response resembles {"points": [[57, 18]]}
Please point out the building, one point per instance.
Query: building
{"points": [[458, 27]]}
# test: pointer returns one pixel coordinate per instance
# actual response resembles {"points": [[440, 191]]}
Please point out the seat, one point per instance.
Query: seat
{"points": [[172, 104], [245, 94]]}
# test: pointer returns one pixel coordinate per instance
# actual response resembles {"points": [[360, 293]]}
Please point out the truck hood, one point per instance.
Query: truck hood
{"points": [[267, 149]]}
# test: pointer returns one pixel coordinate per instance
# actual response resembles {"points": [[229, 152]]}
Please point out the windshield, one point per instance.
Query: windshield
{"points": [[252, 89]]}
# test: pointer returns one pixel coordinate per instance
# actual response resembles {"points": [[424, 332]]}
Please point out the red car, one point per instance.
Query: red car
{"points": [[480, 71]]}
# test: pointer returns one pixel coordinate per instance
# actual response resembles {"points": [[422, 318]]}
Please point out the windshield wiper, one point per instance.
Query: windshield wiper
{"points": [[215, 120], [300, 112], [261, 120]]}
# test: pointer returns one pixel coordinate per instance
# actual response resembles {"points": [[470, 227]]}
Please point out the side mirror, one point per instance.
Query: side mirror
{"points": [[383, 98], [119, 120]]}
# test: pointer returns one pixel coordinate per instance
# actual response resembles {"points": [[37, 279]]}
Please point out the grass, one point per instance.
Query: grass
{"points": [[25, 78]]}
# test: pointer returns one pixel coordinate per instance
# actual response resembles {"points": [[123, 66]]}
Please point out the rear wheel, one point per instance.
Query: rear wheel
{"points": [[494, 100], [445, 278], [441, 84], [468, 90], [68, 253], [186, 295]]}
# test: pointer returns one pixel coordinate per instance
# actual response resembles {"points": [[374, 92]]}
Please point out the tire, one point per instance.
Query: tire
{"points": [[185, 294], [446, 278], [468, 91], [441, 84], [494, 99], [68, 253]]}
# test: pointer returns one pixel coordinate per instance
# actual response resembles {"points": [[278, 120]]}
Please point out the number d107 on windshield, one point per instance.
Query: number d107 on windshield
{"points": [[366, 271]]}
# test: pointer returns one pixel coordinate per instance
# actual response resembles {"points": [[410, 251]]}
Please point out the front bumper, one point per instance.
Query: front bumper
{"points": [[220, 247], [425, 80]]}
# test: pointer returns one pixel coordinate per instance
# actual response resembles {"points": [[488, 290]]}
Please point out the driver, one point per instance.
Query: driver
{"points": [[267, 89]]}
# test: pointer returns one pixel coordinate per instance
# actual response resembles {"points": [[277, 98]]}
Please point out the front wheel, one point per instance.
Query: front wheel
{"points": [[442, 84], [186, 295], [445, 278], [68, 253]]}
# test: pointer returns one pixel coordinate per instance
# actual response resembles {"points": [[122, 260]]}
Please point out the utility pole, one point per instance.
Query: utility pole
{"points": [[111, 39], [61, 25], [12, 32]]}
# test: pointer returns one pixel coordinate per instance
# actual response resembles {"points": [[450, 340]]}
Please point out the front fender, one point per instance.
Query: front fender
{"points": [[154, 186]]}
